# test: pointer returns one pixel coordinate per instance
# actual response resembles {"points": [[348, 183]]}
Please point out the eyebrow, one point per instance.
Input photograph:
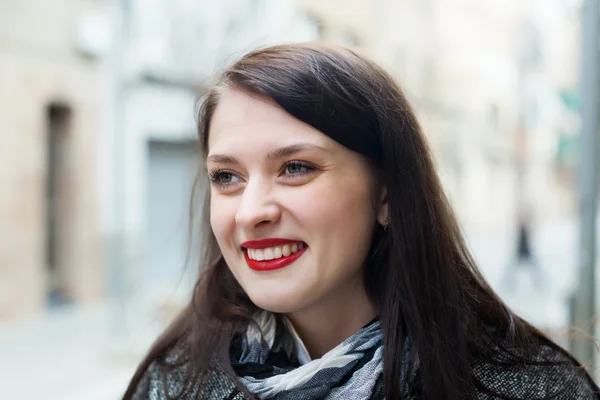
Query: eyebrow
{"points": [[272, 155]]}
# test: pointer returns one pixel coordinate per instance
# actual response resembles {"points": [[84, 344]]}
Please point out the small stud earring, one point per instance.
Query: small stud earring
{"points": [[386, 223]]}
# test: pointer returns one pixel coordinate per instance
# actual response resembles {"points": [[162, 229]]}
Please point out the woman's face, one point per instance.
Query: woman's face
{"points": [[292, 210]]}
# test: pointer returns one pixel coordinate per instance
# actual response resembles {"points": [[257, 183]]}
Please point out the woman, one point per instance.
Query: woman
{"points": [[335, 266]]}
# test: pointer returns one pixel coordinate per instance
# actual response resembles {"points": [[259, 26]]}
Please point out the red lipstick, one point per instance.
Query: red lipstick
{"points": [[270, 265]]}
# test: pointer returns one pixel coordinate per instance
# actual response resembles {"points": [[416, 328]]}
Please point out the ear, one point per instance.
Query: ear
{"points": [[382, 208]]}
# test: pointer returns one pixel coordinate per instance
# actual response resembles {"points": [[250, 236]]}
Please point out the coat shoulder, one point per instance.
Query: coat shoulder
{"points": [[169, 378], [550, 373]]}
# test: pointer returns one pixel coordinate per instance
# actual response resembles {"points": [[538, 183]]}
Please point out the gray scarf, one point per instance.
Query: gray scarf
{"points": [[272, 362]]}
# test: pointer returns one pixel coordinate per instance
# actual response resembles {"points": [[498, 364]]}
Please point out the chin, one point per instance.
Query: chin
{"points": [[281, 304]]}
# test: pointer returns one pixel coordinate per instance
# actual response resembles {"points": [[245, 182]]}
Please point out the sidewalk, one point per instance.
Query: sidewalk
{"points": [[70, 355]]}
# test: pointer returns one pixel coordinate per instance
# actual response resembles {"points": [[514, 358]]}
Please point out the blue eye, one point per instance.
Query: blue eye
{"points": [[225, 177], [221, 178], [297, 168]]}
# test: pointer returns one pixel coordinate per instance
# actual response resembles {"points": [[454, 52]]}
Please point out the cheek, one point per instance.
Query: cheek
{"points": [[338, 213]]}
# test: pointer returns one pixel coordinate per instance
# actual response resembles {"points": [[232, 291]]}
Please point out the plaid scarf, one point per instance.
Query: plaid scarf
{"points": [[272, 362]]}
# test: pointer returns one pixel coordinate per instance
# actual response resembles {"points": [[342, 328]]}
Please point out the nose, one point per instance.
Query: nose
{"points": [[258, 206]]}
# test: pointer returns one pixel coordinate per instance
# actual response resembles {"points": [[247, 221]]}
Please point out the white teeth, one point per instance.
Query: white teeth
{"points": [[268, 254], [259, 254], [271, 253]]}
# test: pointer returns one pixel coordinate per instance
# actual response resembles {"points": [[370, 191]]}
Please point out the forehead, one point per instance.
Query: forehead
{"points": [[242, 119]]}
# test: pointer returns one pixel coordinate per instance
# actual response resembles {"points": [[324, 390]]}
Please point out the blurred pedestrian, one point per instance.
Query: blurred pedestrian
{"points": [[524, 259], [335, 267]]}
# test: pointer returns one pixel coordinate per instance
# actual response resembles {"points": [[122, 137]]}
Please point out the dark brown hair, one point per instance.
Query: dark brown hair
{"points": [[419, 272]]}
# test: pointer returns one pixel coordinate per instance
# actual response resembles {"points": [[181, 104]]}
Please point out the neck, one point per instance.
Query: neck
{"points": [[334, 319]]}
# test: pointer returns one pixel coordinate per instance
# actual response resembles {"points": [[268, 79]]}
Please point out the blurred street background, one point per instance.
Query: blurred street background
{"points": [[98, 157]]}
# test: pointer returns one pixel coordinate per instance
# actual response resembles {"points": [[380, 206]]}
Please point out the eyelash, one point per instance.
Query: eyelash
{"points": [[216, 174]]}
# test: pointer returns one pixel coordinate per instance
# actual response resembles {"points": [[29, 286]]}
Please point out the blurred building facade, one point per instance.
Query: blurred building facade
{"points": [[50, 252]]}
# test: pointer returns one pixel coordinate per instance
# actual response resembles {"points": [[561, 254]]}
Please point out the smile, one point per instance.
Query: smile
{"points": [[274, 252], [271, 254]]}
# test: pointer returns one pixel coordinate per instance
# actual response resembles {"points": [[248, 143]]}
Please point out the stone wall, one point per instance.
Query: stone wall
{"points": [[39, 67]]}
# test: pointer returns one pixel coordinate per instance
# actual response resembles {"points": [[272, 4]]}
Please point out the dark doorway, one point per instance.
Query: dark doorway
{"points": [[58, 119]]}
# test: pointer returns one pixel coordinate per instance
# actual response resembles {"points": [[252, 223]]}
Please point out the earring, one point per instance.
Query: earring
{"points": [[386, 223]]}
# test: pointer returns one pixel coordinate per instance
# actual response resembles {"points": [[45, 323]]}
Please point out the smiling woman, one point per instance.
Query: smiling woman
{"points": [[335, 268]]}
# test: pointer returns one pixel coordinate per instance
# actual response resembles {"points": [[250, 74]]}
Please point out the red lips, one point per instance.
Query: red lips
{"points": [[270, 265]]}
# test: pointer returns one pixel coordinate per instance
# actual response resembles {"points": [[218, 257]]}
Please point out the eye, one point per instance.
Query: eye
{"points": [[297, 168], [222, 178]]}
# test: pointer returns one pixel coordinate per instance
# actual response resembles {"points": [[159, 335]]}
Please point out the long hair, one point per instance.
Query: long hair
{"points": [[419, 272]]}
